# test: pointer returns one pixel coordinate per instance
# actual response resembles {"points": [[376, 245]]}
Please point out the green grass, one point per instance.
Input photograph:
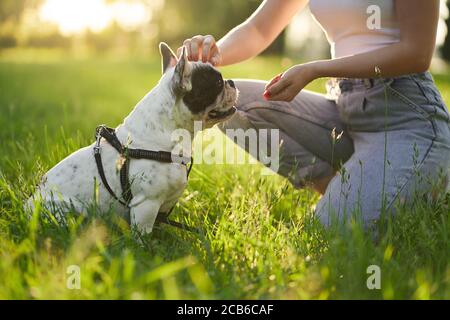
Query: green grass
{"points": [[257, 240]]}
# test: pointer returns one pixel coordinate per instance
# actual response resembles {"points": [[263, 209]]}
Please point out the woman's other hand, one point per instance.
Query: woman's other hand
{"points": [[286, 86]]}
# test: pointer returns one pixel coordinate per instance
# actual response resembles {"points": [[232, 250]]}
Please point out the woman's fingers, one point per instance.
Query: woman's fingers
{"points": [[191, 48], [274, 80], [277, 88], [186, 44], [208, 45], [283, 90], [286, 87], [202, 48], [268, 94], [196, 46]]}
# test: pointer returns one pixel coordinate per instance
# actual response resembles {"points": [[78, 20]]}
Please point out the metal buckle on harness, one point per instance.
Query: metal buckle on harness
{"points": [[181, 159], [98, 138]]}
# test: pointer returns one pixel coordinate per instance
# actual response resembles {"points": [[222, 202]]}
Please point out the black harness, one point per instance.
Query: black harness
{"points": [[126, 154]]}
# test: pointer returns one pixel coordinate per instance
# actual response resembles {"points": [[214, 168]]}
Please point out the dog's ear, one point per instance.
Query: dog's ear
{"points": [[182, 74], [169, 59]]}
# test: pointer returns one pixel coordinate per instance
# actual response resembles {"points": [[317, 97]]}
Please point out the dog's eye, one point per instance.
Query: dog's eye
{"points": [[220, 83]]}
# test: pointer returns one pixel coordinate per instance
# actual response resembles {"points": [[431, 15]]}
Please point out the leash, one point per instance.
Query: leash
{"points": [[109, 134]]}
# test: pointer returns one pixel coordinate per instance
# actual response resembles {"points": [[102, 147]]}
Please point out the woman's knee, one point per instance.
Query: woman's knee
{"points": [[250, 91]]}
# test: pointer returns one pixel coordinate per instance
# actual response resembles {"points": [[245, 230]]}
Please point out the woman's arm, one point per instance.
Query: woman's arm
{"points": [[254, 35], [418, 21], [249, 38]]}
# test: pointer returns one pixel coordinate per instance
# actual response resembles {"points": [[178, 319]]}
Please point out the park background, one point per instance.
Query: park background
{"points": [[68, 65]]}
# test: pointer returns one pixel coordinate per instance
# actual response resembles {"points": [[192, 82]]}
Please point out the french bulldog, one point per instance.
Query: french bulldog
{"points": [[187, 92]]}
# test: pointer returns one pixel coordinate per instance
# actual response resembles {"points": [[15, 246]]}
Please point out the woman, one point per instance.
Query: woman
{"points": [[383, 125]]}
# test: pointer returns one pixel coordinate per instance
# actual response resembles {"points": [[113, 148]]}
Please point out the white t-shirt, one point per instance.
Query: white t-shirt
{"points": [[357, 26]]}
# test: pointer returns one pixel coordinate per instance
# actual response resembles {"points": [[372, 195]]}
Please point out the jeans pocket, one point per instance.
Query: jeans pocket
{"points": [[435, 98], [410, 94]]}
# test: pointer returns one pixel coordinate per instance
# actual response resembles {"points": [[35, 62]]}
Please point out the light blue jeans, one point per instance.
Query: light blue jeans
{"points": [[387, 139]]}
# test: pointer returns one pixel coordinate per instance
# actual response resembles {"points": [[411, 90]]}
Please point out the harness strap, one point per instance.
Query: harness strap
{"points": [[125, 181], [101, 172], [162, 156]]}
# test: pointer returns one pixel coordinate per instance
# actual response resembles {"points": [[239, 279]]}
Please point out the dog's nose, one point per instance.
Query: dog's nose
{"points": [[231, 83]]}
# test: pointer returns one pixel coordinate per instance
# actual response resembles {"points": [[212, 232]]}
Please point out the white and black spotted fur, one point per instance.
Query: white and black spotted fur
{"points": [[187, 92]]}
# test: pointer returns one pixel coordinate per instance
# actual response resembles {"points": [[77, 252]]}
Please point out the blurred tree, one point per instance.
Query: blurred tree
{"points": [[446, 47], [10, 14], [179, 20], [13, 9]]}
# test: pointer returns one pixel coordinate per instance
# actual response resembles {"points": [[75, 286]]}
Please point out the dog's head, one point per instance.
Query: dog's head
{"points": [[199, 87]]}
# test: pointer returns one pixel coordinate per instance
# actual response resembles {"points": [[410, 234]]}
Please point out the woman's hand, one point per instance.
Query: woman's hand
{"points": [[249, 38], [203, 48], [286, 86]]}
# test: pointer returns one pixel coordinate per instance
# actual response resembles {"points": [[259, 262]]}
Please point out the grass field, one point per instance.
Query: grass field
{"points": [[256, 239]]}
